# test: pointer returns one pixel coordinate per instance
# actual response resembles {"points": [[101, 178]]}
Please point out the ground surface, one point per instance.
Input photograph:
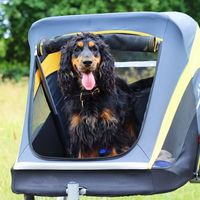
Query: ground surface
{"points": [[12, 109]]}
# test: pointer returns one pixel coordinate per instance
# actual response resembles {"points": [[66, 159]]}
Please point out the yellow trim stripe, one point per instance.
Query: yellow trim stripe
{"points": [[157, 40], [41, 49], [37, 82], [192, 66], [50, 64], [119, 32]]}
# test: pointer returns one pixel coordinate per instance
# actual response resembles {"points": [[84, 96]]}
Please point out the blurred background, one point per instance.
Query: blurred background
{"points": [[16, 17]]}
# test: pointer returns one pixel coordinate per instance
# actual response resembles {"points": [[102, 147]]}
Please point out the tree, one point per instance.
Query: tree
{"points": [[16, 16]]}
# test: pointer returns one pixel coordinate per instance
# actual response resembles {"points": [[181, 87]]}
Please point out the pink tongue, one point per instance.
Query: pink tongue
{"points": [[88, 81]]}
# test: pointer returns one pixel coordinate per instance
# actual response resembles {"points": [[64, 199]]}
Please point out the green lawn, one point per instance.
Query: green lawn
{"points": [[12, 107]]}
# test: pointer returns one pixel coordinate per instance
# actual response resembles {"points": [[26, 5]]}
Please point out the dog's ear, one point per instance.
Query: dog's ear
{"points": [[106, 68], [65, 61], [65, 75]]}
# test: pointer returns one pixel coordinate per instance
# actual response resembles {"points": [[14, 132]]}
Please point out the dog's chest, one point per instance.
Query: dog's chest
{"points": [[94, 120], [90, 121]]}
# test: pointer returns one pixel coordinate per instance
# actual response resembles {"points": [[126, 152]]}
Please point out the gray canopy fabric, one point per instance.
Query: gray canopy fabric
{"points": [[172, 97]]}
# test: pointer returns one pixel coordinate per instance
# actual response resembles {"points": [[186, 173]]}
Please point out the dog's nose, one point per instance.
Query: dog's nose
{"points": [[87, 63]]}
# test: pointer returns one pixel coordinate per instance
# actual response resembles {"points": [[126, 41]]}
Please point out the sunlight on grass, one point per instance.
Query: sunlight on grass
{"points": [[12, 109]]}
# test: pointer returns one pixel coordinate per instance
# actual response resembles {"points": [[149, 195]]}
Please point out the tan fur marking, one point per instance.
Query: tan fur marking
{"points": [[91, 44], [97, 60], [107, 114], [80, 44], [75, 121], [131, 130], [76, 62], [93, 154], [114, 152]]}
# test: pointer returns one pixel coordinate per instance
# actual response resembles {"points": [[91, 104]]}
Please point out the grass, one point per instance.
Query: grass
{"points": [[12, 108]]}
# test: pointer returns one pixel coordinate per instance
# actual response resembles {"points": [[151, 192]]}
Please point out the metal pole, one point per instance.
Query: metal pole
{"points": [[72, 191]]}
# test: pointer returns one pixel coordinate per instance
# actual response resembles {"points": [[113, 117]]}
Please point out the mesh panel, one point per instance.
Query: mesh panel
{"points": [[132, 74], [124, 56], [46, 138], [40, 110]]}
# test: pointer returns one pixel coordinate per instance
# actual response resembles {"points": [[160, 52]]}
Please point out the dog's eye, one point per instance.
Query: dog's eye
{"points": [[77, 49], [94, 48]]}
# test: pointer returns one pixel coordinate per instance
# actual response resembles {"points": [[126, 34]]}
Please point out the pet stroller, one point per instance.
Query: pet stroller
{"points": [[165, 156]]}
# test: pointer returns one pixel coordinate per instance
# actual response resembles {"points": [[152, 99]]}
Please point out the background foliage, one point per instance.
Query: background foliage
{"points": [[16, 17]]}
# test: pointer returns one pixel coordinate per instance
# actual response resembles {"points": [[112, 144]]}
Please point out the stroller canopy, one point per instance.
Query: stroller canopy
{"points": [[170, 118]]}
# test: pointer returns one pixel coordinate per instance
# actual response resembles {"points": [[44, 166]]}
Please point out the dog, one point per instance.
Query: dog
{"points": [[100, 118]]}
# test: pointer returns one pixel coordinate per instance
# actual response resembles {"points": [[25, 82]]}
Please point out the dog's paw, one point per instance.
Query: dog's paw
{"points": [[75, 121]]}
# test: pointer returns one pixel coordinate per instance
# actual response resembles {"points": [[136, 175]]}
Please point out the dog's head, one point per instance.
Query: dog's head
{"points": [[86, 58]]}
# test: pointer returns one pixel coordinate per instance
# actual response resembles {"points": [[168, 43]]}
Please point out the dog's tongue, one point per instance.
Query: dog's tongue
{"points": [[88, 81]]}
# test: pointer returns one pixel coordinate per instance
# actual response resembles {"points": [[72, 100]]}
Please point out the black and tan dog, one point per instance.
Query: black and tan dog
{"points": [[100, 115]]}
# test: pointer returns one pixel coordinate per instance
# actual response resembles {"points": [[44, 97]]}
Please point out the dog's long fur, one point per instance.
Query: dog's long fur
{"points": [[95, 120]]}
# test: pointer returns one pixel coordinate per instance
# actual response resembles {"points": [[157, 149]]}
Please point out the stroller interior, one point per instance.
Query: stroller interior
{"points": [[135, 64]]}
